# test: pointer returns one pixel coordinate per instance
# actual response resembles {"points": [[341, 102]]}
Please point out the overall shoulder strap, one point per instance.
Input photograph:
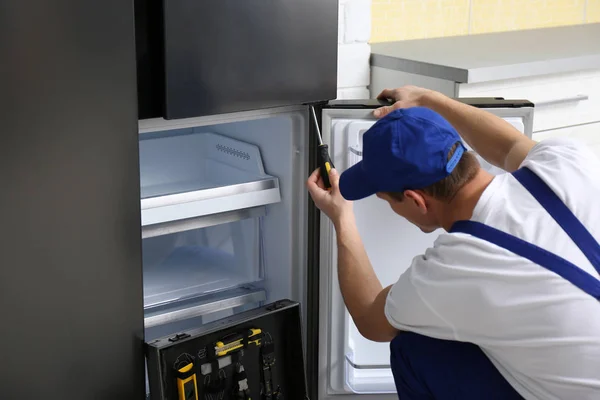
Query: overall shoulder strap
{"points": [[561, 214], [535, 254]]}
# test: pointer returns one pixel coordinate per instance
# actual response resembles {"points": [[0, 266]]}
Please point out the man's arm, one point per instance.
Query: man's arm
{"points": [[494, 139], [362, 292]]}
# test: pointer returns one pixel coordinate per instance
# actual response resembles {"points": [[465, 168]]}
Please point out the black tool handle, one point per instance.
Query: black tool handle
{"points": [[325, 164]]}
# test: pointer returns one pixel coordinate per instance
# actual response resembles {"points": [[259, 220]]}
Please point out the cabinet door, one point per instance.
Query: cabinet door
{"points": [[587, 133], [348, 362]]}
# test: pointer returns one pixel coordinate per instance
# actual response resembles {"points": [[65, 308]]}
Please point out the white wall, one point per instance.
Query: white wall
{"points": [[353, 49]]}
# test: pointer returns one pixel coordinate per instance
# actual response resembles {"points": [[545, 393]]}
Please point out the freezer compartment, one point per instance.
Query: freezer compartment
{"points": [[193, 176], [193, 263], [266, 341]]}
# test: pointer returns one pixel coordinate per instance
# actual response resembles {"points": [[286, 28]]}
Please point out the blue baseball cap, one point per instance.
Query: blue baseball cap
{"points": [[406, 149]]}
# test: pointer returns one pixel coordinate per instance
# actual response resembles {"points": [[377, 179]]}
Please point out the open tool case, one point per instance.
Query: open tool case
{"points": [[253, 355]]}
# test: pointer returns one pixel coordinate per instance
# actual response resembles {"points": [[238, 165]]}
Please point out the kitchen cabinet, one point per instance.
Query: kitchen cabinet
{"points": [[588, 133], [558, 69]]}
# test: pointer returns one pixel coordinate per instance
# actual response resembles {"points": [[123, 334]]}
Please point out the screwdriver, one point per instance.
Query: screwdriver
{"points": [[325, 164]]}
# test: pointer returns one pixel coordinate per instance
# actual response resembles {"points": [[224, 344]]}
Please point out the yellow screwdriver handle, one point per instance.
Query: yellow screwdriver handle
{"points": [[325, 165]]}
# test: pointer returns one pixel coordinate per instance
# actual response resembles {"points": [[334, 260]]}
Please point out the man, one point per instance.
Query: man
{"points": [[504, 306]]}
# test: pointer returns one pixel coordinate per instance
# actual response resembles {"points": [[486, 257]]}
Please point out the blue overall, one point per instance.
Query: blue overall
{"points": [[427, 368]]}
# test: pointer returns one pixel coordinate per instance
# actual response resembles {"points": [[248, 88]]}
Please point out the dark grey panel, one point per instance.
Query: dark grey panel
{"points": [[229, 55], [70, 246]]}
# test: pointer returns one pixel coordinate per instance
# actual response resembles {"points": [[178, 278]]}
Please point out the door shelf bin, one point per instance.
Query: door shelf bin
{"points": [[195, 175], [369, 378]]}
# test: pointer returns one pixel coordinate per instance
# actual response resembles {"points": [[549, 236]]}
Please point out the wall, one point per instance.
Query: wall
{"points": [[414, 19], [353, 48]]}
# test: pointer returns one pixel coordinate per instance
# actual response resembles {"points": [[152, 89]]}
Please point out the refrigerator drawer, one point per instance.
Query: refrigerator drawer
{"points": [[190, 264], [264, 343]]}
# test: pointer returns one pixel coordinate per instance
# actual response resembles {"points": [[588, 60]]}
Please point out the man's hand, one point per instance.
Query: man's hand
{"points": [[493, 138], [404, 97], [331, 202]]}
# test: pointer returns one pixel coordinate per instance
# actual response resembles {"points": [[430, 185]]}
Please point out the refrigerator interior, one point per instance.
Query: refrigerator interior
{"points": [[223, 215], [353, 364]]}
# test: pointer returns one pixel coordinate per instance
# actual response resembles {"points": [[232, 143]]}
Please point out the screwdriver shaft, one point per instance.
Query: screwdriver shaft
{"points": [[312, 109]]}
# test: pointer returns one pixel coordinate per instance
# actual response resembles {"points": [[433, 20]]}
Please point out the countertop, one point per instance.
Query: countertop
{"points": [[493, 56]]}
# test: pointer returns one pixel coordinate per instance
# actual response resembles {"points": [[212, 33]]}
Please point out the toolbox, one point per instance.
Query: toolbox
{"points": [[252, 355]]}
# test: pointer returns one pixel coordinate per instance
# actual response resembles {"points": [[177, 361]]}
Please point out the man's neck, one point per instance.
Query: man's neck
{"points": [[462, 205]]}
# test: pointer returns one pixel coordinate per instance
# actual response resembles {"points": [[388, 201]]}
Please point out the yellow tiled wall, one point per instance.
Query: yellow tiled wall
{"points": [[593, 11], [414, 19]]}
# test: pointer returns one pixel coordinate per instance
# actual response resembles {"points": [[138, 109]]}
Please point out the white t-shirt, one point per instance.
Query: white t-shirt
{"points": [[540, 331]]}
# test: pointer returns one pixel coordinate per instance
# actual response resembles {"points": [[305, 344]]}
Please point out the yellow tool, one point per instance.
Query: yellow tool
{"points": [[235, 341], [187, 387], [325, 164]]}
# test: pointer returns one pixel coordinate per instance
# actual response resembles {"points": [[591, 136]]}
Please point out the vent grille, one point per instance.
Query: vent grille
{"points": [[233, 152]]}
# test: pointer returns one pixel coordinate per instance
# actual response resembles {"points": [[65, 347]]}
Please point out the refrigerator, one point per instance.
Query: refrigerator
{"points": [[226, 228], [142, 200]]}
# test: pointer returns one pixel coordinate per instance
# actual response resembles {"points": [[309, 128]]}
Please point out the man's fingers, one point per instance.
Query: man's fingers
{"points": [[385, 110], [315, 183], [386, 94], [314, 177], [334, 178]]}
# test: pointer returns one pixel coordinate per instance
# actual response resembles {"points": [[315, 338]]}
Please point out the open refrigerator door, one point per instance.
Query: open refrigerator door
{"points": [[348, 363]]}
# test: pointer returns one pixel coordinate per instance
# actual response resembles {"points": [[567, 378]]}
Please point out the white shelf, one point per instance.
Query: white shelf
{"points": [[199, 175]]}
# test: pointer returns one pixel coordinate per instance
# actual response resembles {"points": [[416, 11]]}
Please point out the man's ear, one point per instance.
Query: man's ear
{"points": [[417, 199]]}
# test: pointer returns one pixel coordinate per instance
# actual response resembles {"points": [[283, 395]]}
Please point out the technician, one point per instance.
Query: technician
{"points": [[505, 304]]}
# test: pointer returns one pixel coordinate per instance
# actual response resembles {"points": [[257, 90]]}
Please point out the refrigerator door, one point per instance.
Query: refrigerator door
{"points": [[71, 262], [254, 55], [349, 363]]}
